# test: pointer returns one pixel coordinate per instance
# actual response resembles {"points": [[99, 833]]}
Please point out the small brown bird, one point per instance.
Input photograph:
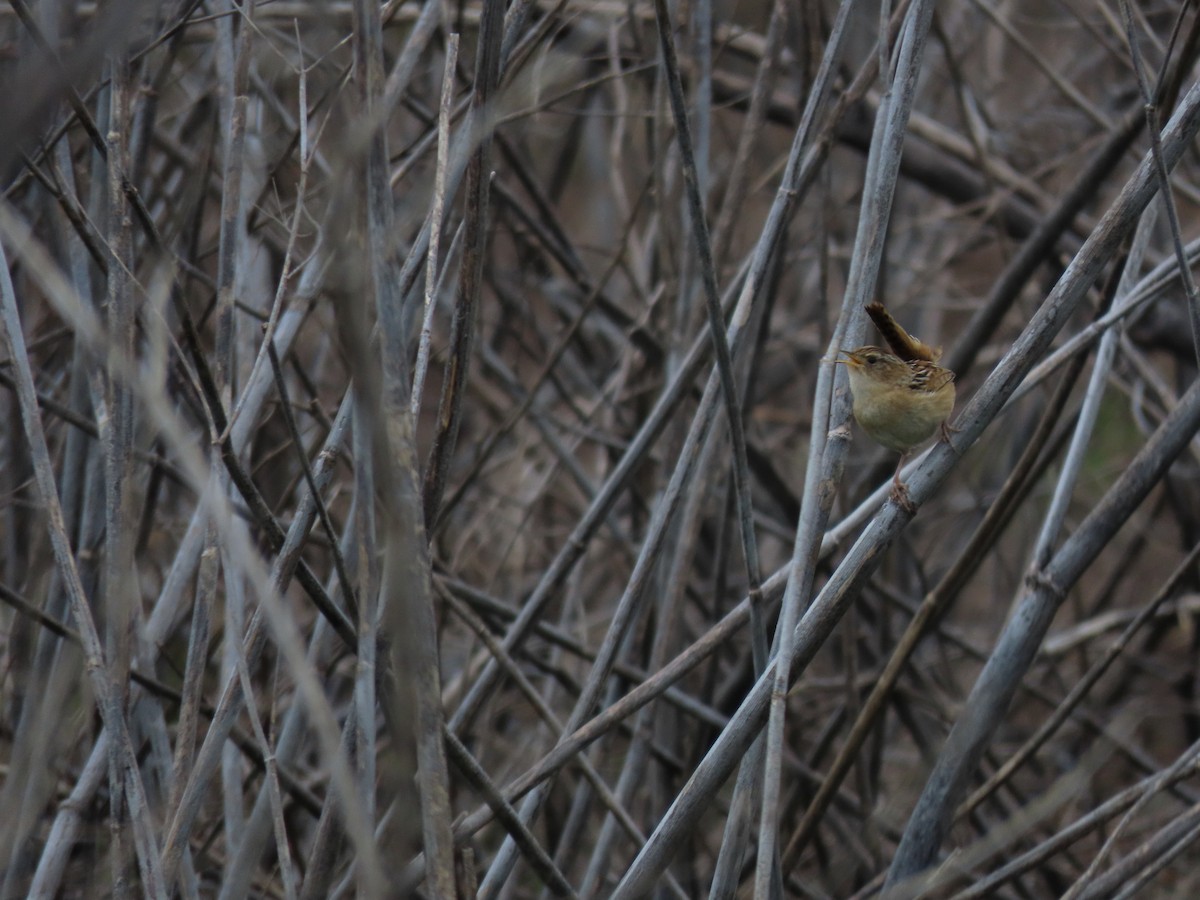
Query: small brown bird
{"points": [[900, 399]]}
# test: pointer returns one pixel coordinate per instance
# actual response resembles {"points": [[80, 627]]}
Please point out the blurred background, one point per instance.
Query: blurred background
{"points": [[245, 267]]}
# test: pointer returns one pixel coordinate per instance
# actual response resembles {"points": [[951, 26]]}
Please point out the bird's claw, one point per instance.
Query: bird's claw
{"points": [[901, 498], [946, 432]]}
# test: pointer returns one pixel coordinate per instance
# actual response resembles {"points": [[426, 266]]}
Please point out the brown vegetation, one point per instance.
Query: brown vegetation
{"points": [[381, 513]]}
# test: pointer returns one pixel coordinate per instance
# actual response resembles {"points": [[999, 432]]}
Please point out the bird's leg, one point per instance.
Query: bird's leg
{"points": [[900, 489]]}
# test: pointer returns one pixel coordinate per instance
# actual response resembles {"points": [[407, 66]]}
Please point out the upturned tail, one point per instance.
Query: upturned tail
{"points": [[903, 344]]}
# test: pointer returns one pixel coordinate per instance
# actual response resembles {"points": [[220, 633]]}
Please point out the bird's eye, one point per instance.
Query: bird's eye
{"points": [[872, 358]]}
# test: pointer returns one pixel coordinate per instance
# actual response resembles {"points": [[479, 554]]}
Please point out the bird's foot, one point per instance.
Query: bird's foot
{"points": [[900, 497], [947, 430]]}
